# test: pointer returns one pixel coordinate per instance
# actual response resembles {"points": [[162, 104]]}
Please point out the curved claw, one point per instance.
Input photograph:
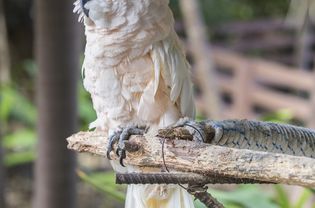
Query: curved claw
{"points": [[120, 137], [112, 139], [108, 155], [118, 152], [122, 157]]}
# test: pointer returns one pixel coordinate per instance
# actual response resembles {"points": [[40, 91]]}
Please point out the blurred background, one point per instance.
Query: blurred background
{"points": [[250, 60]]}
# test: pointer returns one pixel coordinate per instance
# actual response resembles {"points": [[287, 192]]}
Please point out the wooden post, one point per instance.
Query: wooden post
{"points": [[4, 48], [242, 90], [198, 41], [311, 119], [4, 79], [304, 46], [57, 57]]}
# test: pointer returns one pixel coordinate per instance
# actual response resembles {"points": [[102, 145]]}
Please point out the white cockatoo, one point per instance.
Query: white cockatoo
{"points": [[137, 74]]}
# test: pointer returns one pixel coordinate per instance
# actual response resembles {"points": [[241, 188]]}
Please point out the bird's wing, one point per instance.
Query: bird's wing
{"points": [[171, 65]]}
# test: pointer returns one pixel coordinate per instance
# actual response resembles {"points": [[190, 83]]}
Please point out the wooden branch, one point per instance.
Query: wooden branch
{"points": [[208, 160]]}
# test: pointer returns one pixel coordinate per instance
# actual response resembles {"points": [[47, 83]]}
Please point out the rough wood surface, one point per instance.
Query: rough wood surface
{"points": [[205, 159]]}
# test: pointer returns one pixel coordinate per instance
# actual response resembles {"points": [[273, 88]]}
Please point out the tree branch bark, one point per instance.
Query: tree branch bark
{"points": [[204, 159]]}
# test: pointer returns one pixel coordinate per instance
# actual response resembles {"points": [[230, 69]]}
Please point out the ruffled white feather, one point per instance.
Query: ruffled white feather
{"points": [[78, 9], [169, 58]]}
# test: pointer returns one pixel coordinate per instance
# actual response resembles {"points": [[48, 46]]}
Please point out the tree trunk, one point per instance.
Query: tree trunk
{"points": [[304, 45], [4, 48], [199, 46], [4, 79], [57, 56]]}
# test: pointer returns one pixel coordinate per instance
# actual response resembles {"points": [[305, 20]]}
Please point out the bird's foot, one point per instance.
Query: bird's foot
{"points": [[185, 128], [121, 135]]}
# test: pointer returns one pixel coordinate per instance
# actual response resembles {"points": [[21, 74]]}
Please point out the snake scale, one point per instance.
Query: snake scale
{"points": [[260, 136]]}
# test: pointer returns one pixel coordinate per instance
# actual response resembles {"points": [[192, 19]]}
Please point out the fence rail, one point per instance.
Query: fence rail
{"points": [[252, 83]]}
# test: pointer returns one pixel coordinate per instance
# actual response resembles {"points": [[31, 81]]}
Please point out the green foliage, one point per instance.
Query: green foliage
{"points": [[19, 158], [282, 197], [86, 111], [246, 196], [281, 116], [218, 11], [18, 116], [30, 67], [20, 147], [200, 117], [268, 8], [20, 139], [15, 106], [103, 182], [303, 199]]}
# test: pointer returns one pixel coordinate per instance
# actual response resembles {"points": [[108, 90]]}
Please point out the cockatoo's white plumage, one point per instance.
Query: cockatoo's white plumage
{"points": [[137, 73]]}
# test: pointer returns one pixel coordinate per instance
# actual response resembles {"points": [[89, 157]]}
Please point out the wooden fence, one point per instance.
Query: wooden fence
{"points": [[253, 86], [271, 39]]}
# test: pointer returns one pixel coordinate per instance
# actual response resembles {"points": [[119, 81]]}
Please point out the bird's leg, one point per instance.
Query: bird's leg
{"points": [[120, 136]]}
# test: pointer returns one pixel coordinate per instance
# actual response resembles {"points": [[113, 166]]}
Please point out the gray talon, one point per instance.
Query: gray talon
{"points": [[112, 139], [120, 137]]}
